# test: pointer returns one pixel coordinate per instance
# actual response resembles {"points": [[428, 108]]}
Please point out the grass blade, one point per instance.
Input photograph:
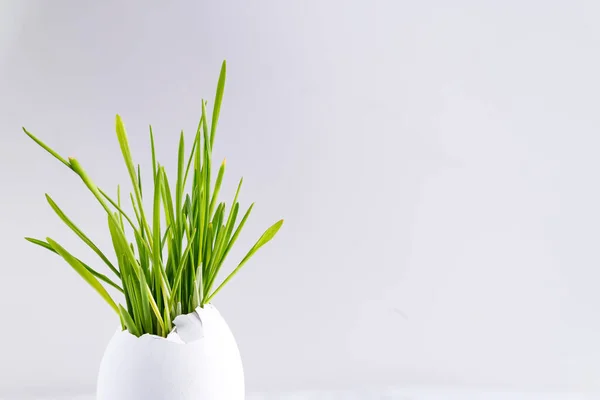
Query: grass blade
{"points": [[182, 263], [167, 199], [218, 100], [179, 185], [234, 211], [47, 148], [154, 171], [193, 151], [144, 254], [122, 248], [126, 152], [83, 272], [219, 262], [164, 238], [264, 239], [117, 206], [90, 185], [157, 253], [80, 234], [139, 180], [237, 231], [145, 309], [157, 259], [207, 142], [215, 195], [128, 321], [98, 275]]}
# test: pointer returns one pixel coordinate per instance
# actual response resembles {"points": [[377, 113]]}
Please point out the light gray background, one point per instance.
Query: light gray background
{"points": [[437, 166]]}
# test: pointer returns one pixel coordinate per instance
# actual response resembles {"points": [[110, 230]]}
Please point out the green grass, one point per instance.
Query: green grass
{"points": [[179, 246]]}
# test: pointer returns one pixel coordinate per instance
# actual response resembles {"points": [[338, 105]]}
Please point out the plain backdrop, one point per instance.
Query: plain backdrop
{"points": [[436, 164]]}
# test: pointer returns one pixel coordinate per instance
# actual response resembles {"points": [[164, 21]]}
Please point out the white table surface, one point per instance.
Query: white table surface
{"points": [[390, 394], [421, 394]]}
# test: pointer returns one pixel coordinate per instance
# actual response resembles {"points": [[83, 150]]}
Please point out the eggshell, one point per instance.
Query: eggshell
{"points": [[198, 360]]}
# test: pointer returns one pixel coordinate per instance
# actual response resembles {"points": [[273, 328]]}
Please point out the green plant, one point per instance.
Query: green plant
{"points": [[171, 271]]}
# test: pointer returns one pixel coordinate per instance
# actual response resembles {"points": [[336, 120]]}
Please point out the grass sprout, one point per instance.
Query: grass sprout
{"points": [[172, 264]]}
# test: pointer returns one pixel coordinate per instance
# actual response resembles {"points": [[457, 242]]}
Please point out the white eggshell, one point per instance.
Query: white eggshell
{"points": [[199, 360]]}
